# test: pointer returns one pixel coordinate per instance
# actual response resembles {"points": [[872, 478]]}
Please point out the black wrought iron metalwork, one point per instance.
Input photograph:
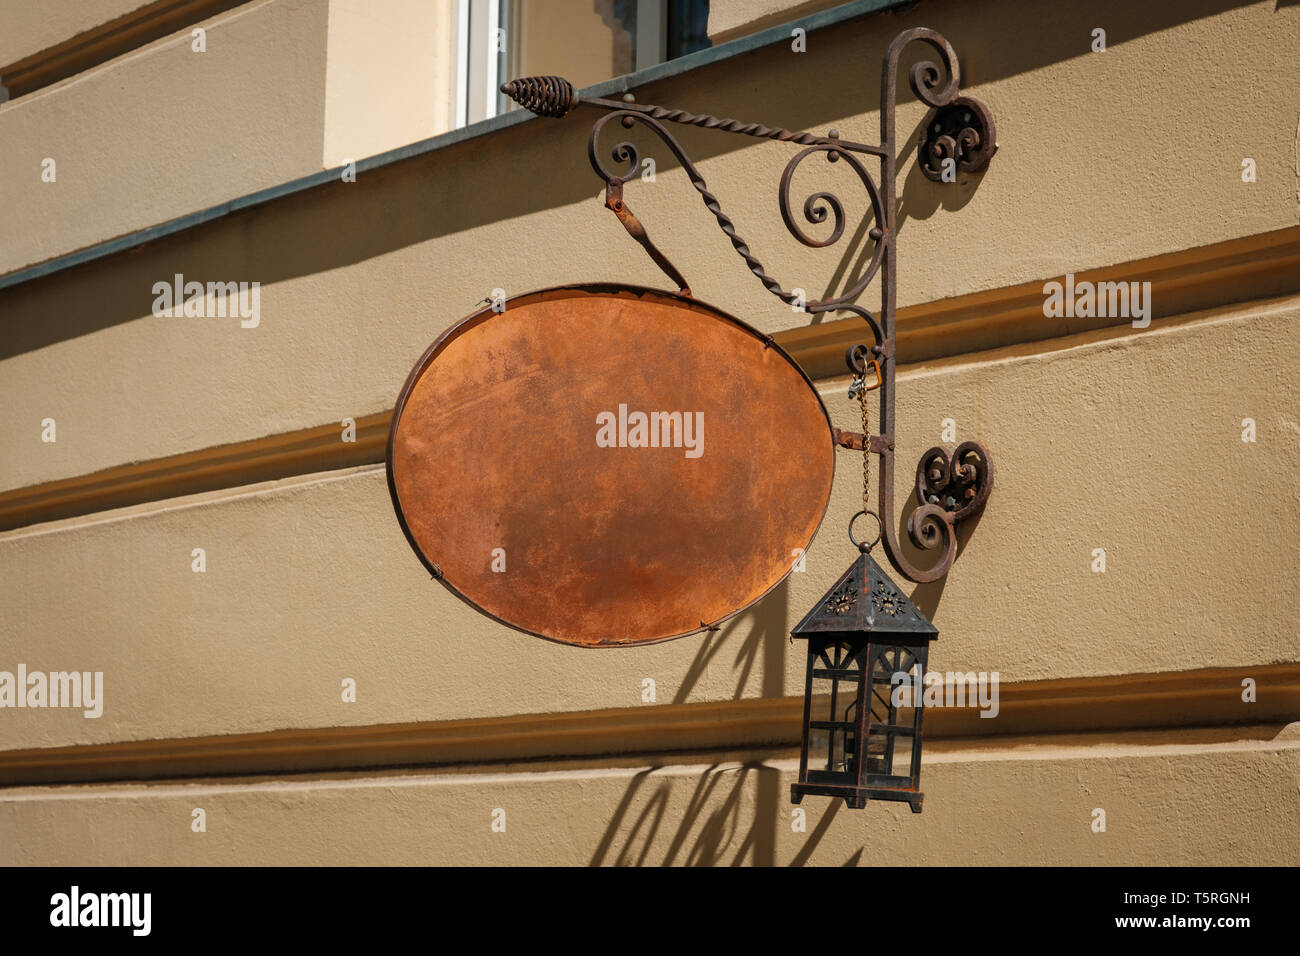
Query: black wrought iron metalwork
{"points": [[964, 132], [868, 645], [948, 488]]}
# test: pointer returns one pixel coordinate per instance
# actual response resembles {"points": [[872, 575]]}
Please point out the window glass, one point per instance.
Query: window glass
{"points": [[584, 41]]}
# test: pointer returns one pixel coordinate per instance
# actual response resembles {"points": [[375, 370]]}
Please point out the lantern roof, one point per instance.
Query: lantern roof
{"points": [[866, 601]]}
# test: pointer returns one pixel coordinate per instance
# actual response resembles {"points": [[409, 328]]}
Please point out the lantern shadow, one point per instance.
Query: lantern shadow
{"points": [[717, 825], [819, 832], [709, 830]]}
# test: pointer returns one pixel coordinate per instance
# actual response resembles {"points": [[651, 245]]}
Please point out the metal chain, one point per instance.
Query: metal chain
{"points": [[866, 452], [860, 389]]}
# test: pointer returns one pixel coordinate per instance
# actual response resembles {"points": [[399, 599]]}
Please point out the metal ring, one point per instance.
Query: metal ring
{"points": [[880, 530], [855, 357]]}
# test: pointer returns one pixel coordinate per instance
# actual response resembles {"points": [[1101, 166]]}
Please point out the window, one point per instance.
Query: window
{"points": [[585, 41]]}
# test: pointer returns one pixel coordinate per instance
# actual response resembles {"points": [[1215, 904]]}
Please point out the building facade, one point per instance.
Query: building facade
{"points": [[194, 507]]}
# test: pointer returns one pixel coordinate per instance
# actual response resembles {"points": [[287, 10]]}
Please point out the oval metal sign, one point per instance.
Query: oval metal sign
{"points": [[608, 465]]}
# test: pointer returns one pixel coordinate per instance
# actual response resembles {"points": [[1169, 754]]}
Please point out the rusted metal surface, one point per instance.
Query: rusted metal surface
{"points": [[555, 96], [544, 95], [614, 200], [962, 131], [959, 482], [494, 446], [965, 132], [853, 440]]}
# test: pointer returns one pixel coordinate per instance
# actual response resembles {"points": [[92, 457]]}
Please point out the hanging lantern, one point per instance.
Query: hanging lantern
{"points": [[862, 710]]}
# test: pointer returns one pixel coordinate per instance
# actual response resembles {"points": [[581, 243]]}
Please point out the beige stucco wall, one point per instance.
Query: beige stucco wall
{"points": [[389, 75], [164, 131], [283, 89], [28, 28], [1115, 438], [1174, 805], [1091, 437], [406, 250]]}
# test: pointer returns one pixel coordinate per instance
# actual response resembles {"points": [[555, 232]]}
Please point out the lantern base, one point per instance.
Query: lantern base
{"points": [[855, 797]]}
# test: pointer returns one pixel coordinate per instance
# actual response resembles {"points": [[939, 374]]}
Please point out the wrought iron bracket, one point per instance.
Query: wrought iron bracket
{"points": [[949, 487]]}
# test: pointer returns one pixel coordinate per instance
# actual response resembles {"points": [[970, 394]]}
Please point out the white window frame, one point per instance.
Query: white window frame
{"points": [[462, 63], [479, 66]]}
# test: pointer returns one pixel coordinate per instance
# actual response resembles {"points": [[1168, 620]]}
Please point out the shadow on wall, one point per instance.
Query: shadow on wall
{"points": [[926, 597], [733, 812], [765, 640], [730, 819], [916, 198], [711, 829], [541, 165]]}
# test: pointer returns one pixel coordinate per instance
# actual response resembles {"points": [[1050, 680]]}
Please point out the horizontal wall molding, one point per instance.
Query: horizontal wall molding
{"points": [[1233, 272], [106, 41], [1133, 702], [1226, 273], [225, 466]]}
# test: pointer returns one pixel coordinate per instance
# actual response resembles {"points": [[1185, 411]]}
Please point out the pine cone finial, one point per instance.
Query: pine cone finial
{"points": [[543, 95]]}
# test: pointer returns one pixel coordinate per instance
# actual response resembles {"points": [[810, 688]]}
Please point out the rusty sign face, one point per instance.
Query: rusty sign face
{"points": [[608, 465]]}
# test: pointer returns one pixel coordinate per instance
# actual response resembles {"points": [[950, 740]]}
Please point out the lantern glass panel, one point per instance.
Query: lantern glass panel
{"points": [[897, 674], [832, 735]]}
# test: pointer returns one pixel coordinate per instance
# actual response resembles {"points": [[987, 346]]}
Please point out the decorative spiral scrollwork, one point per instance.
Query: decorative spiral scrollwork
{"points": [[929, 527], [926, 74], [962, 131], [815, 212], [959, 484], [626, 152], [857, 357], [925, 78], [820, 205], [817, 208]]}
